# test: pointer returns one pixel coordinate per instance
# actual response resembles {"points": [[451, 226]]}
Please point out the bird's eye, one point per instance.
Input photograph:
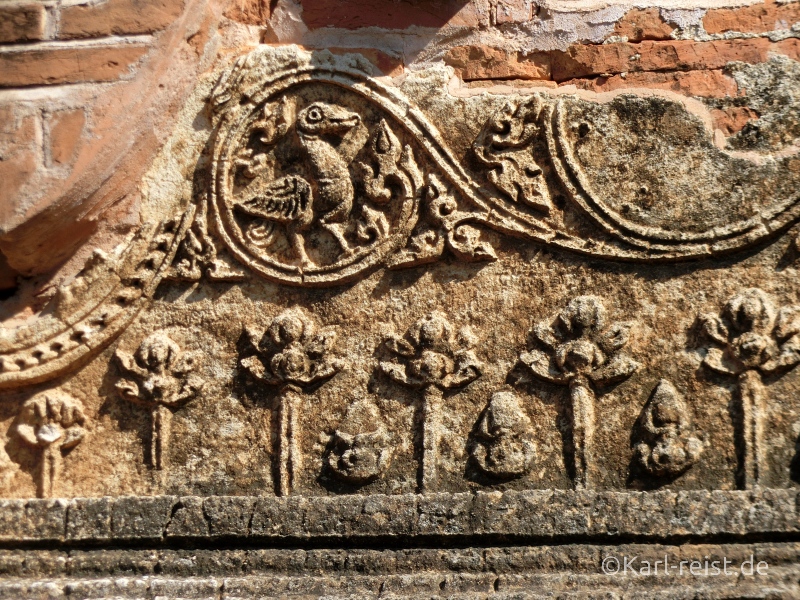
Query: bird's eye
{"points": [[314, 115]]}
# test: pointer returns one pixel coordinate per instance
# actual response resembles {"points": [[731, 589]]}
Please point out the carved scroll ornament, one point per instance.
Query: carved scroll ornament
{"points": [[322, 173], [319, 173]]}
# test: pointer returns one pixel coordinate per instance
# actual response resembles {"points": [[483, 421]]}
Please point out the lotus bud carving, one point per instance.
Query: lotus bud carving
{"points": [[503, 446], [159, 376], [581, 350], [750, 339], [667, 443], [359, 451], [52, 423]]}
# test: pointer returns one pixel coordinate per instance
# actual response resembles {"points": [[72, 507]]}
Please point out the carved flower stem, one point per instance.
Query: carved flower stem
{"points": [[582, 398], [49, 469], [429, 410], [752, 395], [289, 402], [161, 424]]}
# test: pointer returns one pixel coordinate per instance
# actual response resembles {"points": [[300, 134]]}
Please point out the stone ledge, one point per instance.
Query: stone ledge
{"points": [[486, 586], [529, 515]]}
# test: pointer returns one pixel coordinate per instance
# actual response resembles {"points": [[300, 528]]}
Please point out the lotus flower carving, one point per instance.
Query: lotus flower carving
{"points": [[581, 350], [749, 339], [159, 376], [293, 354], [430, 356], [52, 423]]}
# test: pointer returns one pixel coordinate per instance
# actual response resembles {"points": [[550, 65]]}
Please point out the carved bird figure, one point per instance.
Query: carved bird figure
{"points": [[292, 201]]}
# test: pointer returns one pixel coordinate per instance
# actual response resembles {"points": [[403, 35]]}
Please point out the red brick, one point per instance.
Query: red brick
{"points": [[705, 84], [682, 55], [21, 23], [733, 119], [391, 14], [647, 24], [790, 48], [67, 65], [484, 62], [65, 128], [251, 12], [757, 18], [19, 158], [118, 17]]}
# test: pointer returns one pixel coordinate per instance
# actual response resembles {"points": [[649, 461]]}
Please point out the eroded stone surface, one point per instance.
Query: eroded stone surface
{"points": [[365, 319]]}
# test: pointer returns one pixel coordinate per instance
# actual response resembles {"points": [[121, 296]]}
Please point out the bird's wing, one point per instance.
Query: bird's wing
{"points": [[284, 200]]}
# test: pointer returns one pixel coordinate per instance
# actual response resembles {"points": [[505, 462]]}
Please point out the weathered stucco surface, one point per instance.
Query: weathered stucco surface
{"points": [[399, 299]]}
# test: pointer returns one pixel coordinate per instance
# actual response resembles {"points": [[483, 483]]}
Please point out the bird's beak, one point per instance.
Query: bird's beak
{"points": [[343, 119]]}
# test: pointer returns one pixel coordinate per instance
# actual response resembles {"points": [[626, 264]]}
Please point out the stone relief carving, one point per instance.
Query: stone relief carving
{"points": [[322, 173], [502, 446], [294, 355], [317, 190], [578, 349], [359, 450], [443, 225], [433, 358], [319, 173], [158, 376], [504, 146], [198, 256], [667, 443], [262, 148], [750, 339], [52, 423], [89, 313]]}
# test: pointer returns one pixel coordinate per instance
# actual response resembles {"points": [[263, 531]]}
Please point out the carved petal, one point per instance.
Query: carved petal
{"points": [[544, 334], [189, 390], [715, 329], [127, 362], [615, 337], [321, 371], [788, 358], [617, 369], [399, 346], [128, 389], [466, 244], [467, 369], [716, 361], [27, 433], [256, 368], [72, 436], [787, 324], [539, 364], [184, 363], [398, 373], [321, 344]]}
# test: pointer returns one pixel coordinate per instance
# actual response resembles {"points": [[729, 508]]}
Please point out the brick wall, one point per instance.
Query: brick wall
{"points": [[88, 90]]}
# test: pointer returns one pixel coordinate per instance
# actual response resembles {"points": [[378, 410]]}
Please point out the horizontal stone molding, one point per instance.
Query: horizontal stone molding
{"points": [[538, 515]]}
